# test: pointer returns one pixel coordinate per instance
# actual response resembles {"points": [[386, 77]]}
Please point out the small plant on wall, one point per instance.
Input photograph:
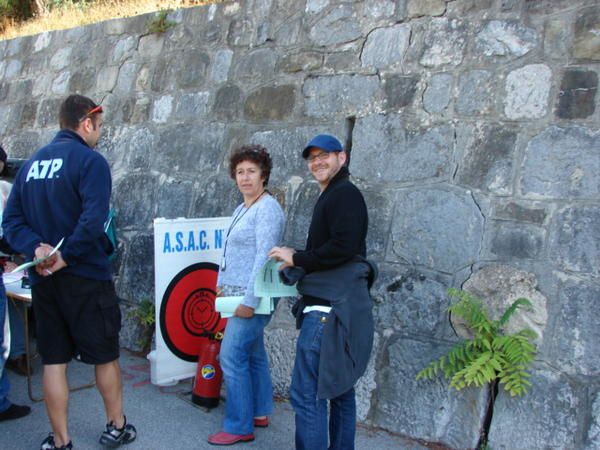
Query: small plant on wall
{"points": [[490, 356], [144, 315], [160, 22]]}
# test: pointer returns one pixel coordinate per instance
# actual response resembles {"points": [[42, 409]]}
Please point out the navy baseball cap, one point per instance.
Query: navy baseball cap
{"points": [[325, 142]]}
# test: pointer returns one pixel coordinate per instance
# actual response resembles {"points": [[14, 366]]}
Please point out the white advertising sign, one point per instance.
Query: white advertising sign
{"points": [[187, 254]]}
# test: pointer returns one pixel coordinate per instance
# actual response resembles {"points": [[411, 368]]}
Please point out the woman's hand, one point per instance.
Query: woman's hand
{"points": [[244, 312]]}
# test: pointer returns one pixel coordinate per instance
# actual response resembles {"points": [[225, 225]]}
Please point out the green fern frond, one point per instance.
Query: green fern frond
{"points": [[520, 302], [490, 355]]}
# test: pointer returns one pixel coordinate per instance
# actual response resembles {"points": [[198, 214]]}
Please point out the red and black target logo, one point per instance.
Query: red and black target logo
{"points": [[187, 311]]}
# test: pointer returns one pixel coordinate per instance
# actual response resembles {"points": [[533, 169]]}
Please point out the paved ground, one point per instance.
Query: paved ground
{"points": [[164, 417]]}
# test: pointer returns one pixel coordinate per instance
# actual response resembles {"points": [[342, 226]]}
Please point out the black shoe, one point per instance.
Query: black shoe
{"points": [[48, 444], [114, 437], [14, 412], [18, 365]]}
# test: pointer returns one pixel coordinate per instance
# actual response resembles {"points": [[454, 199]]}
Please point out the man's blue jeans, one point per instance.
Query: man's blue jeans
{"points": [[4, 383], [311, 413], [245, 367]]}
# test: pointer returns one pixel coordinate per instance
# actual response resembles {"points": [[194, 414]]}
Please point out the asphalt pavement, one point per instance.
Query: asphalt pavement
{"points": [[164, 416]]}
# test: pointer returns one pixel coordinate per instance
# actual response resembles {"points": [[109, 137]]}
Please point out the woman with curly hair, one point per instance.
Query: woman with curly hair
{"points": [[256, 227]]}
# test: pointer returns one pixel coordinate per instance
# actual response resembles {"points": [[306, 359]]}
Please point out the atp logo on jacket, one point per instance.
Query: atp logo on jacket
{"points": [[44, 169]]}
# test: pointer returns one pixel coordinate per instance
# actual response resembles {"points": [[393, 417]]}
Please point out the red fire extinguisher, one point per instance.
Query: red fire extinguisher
{"points": [[209, 376]]}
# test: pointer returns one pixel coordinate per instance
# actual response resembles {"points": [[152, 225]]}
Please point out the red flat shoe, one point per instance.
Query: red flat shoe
{"points": [[261, 423], [222, 438]]}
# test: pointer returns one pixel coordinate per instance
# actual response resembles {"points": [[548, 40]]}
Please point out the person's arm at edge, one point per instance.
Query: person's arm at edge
{"points": [[19, 235]]}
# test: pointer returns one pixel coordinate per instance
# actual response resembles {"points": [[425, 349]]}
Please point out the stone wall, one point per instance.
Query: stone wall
{"points": [[473, 129]]}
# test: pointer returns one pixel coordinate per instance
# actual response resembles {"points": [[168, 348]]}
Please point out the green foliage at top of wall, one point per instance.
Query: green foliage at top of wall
{"points": [[160, 22]]}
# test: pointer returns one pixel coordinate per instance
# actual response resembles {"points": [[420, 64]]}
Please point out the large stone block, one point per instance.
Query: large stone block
{"points": [[47, 114], [506, 38], [83, 81], [562, 163], [527, 92], [216, 196], [173, 198], [383, 150], [438, 93], [427, 410], [512, 241], [573, 336], [270, 103], [380, 206], [137, 279], [192, 106], [546, 417], [341, 95], [162, 109], [474, 89], [419, 8], [219, 71], [135, 198], [61, 58], [573, 244], [226, 102], [411, 302], [593, 434], [577, 95], [256, 65], [386, 46], [303, 61], [534, 212], [437, 228], [338, 26], [586, 44], [557, 39], [499, 286], [280, 341], [445, 43], [182, 149], [399, 90], [136, 145], [190, 68], [486, 162], [300, 214]]}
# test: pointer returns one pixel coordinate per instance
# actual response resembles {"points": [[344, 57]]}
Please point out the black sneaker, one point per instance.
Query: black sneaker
{"points": [[48, 444], [113, 437], [14, 412]]}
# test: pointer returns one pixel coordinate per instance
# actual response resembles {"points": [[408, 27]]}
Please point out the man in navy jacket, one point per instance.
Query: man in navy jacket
{"points": [[63, 191], [336, 237]]}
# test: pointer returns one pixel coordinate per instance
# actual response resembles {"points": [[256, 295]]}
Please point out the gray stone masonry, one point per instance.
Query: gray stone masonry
{"points": [[473, 128]]}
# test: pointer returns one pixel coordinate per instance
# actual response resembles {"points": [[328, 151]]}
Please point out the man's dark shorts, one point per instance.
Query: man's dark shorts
{"points": [[78, 317]]}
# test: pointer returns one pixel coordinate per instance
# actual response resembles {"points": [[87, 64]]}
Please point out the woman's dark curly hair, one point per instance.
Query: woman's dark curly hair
{"points": [[253, 153]]}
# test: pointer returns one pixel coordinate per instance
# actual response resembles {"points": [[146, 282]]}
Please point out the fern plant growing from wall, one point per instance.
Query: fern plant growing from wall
{"points": [[490, 356]]}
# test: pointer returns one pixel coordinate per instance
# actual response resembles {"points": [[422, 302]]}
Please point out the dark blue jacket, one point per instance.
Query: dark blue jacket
{"points": [[348, 334], [63, 191]]}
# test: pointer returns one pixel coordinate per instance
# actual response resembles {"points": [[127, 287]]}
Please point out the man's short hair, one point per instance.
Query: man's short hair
{"points": [[76, 108]]}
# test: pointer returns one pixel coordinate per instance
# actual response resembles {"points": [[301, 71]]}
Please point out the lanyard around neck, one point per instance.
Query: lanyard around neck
{"points": [[240, 214]]}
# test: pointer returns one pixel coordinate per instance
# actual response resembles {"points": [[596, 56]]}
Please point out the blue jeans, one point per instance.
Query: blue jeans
{"points": [[16, 313], [245, 367], [311, 412], [4, 383]]}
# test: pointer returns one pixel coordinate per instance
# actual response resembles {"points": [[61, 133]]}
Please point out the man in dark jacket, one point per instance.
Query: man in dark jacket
{"points": [[63, 191], [336, 238]]}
